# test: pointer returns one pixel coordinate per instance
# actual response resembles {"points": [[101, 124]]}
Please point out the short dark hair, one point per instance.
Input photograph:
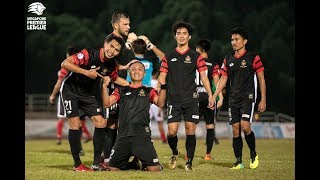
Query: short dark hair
{"points": [[72, 50], [111, 36], [139, 46], [139, 63], [241, 31], [204, 45], [181, 24], [116, 16]]}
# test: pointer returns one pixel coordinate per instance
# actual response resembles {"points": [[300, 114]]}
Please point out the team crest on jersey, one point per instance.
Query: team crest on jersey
{"points": [[80, 55], [142, 93], [243, 64], [104, 71], [188, 59]]}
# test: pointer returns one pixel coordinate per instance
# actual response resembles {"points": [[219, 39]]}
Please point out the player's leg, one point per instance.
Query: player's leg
{"points": [[247, 116], [191, 118], [174, 114]]}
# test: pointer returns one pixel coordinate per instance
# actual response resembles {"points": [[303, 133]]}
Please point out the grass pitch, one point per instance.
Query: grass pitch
{"points": [[46, 160]]}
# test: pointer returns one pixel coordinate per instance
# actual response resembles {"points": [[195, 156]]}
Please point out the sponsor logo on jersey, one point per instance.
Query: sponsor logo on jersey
{"points": [[128, 93], [93, 66], [231, 64], [155, 160], [98, 110], [174, 59], [195, 95], [170, 116], [251, 96], [104, 71]]}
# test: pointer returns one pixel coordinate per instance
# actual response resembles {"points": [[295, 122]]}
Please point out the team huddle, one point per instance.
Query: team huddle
{"points": [[120, 90]]}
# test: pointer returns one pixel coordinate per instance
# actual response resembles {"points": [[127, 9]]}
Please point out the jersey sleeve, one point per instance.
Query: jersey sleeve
{"points": [[62, 73], [81, 58], [215, 70], [223, 69], [116, 94], [153, 94], [164, 65], [201, 64], [257, 64]]}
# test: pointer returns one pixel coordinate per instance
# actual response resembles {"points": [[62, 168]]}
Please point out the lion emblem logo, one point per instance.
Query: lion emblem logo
{"points": [[36, 8]]}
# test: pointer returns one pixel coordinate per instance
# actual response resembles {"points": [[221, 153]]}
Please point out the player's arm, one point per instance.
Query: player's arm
{"points": [[262, 83], [107, 100], [125, 67], [55, 90], [152, 47], [220, 85], [122, 82], [70, 65], [207, 86], [215, 79], [161, 98]]}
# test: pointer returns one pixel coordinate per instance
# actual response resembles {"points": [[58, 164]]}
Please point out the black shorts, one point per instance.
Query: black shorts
{"points": [[79, 103], [112, 112], [207, 113], [138, 146], [241, 111], [189, 111]]}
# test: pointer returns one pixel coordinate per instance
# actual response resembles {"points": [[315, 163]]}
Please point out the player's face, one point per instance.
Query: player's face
{"points": [[124, 26], [111, 49], [182, 36], [137, 71], [237, 42]]}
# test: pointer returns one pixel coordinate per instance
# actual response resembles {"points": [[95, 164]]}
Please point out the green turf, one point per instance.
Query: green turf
{"points": [[46, 160]]}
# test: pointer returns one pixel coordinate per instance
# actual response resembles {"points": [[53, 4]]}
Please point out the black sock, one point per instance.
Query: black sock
{"points": [[209, 140], [110, 133], [173, 142], [80, 130], [237, 145], [75, 143], [99, 140], [190, 147], [251, 141]]}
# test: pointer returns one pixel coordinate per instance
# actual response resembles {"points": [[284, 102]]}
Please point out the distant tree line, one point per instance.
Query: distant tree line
{"points": [[271, 26]]}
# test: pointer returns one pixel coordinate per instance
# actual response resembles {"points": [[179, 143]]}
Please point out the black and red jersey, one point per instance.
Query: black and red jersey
{"points": [[181, 70], [213, 70], [91, 59], [134, 103], [241, 72]]}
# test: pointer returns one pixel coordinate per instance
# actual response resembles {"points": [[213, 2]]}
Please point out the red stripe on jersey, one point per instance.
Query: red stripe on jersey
{"points": [[62, 73], [257, 64], [114, 73], [81, 58], [116, 94], [224, 71], [153, 94], [164, 65], [201, 64], [215, 71]]}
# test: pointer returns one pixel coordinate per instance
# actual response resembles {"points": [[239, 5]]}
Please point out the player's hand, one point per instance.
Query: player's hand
{"points": [[211, 102], [106, 80], [147, 41], [92, 73], [129, 64], [262, 106], [219, 103], [131, 37], [51, 99]]}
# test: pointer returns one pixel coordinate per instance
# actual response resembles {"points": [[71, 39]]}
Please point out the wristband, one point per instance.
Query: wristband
{"points": [[128, 45], [163, 86], [150, 46]]}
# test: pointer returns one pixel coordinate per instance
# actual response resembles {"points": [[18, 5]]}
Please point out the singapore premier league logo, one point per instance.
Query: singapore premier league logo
{"points": [[37, 22]]}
